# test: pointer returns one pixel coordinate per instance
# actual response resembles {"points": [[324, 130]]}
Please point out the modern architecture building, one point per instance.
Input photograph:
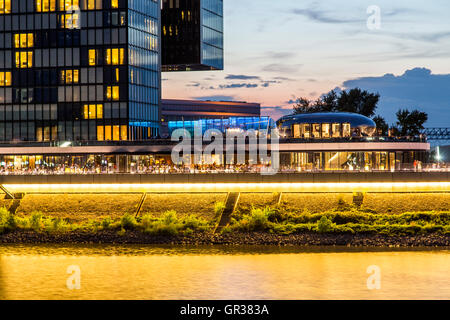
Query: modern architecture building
{"points": [[79, 70], [344, 141], [192, 35], [80, 92], [188, 110], [181, 113]]}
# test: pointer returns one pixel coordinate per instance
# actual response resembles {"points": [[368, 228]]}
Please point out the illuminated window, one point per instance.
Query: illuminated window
{"points": [[116, 133], [91, 4], [70, 21], [108, 133], [70, 76], [100, 134], [5, 6], [23, 40], [99, 111], [123, 133], [316, 130], [115, 56], [45, 5], [346, 128], [92, 111], [114, 4], [336, 130], [24, 59], [65, 5], [305, 131], [117, 74], [325, 130], [5, 79], [112, 93], [92, 57]]}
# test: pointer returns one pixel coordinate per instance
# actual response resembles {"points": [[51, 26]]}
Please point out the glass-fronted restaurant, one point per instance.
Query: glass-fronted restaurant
{"points": [[342, 142], [162, 163]]}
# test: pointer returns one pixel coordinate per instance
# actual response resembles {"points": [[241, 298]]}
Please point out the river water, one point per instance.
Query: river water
{"points": [[149, 272]]}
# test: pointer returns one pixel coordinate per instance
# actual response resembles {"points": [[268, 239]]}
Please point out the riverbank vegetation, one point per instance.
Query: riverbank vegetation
{"points": [[167, 224], [272, 214], [278, 220]]}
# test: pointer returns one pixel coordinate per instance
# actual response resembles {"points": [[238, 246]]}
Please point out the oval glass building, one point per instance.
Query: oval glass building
{"points": [[325, 125]]}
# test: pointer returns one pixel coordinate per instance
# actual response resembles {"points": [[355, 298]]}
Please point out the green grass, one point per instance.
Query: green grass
{"points": [[279, 221], [167, 224]]}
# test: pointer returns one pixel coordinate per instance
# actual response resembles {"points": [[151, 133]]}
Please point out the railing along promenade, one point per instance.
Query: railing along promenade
{"points": [[357, 182]]}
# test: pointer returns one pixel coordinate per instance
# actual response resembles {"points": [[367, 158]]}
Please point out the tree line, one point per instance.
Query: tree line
{"points": [[409, 123]]}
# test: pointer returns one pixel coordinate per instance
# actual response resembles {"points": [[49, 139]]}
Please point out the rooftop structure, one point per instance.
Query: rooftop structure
{"points": [[326, 125], [192, 35]]}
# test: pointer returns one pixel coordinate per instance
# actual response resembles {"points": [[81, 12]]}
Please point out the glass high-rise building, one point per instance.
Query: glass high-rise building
{"points": [[192, 35], [79, 70]]}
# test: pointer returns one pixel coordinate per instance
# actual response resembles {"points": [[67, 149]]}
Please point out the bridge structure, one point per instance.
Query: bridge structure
{"points": [[437, 134]]}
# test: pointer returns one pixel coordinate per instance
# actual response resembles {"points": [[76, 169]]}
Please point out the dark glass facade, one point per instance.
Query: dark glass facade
{"points": [[75, 70], [192, 35]]}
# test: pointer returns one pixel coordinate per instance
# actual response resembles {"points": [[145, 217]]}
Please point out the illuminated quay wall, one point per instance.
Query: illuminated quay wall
{"points": [[207, 183]]}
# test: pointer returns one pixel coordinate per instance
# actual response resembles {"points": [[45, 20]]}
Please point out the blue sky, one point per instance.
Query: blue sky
{"points": [[278, 50]]}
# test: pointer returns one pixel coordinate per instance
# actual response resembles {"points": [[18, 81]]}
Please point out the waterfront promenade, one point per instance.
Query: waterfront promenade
{"points": [[238, 182]]}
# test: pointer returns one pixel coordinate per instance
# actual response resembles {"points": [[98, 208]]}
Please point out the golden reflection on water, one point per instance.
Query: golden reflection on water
{"points": [[40, 272]]}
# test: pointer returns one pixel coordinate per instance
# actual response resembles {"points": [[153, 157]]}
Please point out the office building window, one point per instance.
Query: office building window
{"points": [[117, 74], [5, 6], [70, 21], [5, 79], [115, 56], [92, 111], [123, 133], [24, 59], [91, 5], [70, 76], [65, 5], [23, 40], [45, 5], [114, 4], [92, 57], [112, 93], [100, 133]]}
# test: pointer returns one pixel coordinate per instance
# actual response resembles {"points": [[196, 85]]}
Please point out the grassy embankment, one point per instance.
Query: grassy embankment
{"points": [[390, 214]]}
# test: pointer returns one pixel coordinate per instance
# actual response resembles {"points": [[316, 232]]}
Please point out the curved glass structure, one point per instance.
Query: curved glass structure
{"points": [[223, 125], [325, 125]]}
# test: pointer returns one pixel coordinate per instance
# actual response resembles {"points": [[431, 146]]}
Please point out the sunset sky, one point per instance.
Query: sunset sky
{"points": [[276, 51]]}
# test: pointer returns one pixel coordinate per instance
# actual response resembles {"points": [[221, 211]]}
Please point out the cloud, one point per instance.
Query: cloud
{"points": [[238, 85], [282, 68], [323, 16], [417, 88], [283, 79], [317, 14], [215, 98], [241, 77], [193, 84]]}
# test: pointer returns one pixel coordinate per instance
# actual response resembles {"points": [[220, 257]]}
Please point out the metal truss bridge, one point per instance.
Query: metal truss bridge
{"points": [[440, 134]]}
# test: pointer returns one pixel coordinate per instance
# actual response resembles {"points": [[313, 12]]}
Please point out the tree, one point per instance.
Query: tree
{"points": [[328, 102], [382, 126], [354, 100], [358, 101], [304, 105], [410, 123]]}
